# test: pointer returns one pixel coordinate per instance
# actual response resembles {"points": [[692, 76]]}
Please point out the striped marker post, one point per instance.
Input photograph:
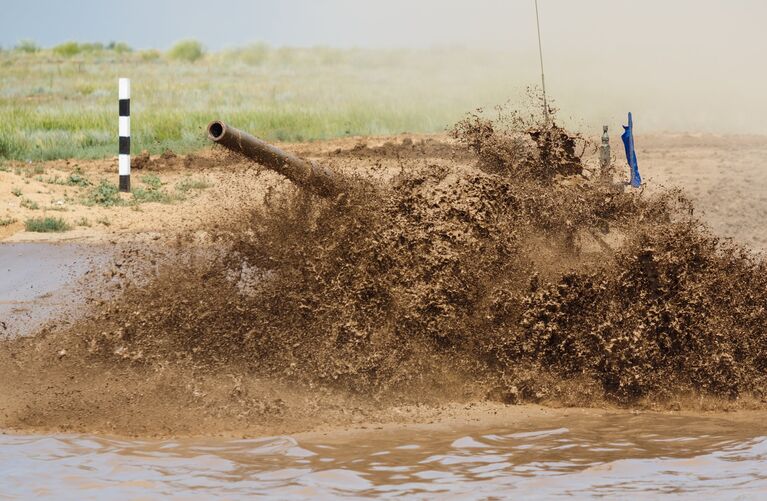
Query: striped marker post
{"points": [[124, 132]]}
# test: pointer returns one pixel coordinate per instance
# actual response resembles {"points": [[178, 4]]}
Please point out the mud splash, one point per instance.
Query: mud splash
{"points": [[514, 278]]}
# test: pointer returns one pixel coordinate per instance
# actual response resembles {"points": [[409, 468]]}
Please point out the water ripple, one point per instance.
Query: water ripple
{"points": [[610, 456]]}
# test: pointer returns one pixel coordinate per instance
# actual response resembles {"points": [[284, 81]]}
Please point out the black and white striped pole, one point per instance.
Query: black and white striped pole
{"points": [[124, 132]]}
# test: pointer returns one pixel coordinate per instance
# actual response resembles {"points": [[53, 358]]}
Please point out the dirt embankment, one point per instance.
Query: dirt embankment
{"points": [[483, 269]]}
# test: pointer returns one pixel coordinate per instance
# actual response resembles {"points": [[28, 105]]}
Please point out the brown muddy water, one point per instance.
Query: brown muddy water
{"points": [[640, 456]]}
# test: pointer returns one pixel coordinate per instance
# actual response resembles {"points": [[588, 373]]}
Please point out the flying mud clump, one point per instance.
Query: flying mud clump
{"points": [[515, 276]]}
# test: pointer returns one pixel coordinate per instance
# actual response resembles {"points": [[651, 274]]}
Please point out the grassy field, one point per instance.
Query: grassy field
{"points": [[62, 102]]}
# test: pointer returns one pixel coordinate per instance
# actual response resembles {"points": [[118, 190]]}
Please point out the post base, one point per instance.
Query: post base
{"points": [[125, 183]]}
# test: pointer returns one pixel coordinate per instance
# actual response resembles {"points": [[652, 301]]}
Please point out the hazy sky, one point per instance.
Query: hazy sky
{"points": [[705, 57], [673, 25]]}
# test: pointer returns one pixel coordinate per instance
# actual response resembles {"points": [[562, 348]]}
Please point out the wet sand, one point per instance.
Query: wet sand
{"points": [[41, 282], [724, 176]]}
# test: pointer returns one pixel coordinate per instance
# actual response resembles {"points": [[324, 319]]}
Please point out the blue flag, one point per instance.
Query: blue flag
{"points": [[631, 154]]}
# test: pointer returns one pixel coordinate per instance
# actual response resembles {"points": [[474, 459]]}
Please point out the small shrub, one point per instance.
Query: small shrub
{"points": [[29, 204], [186, 50], [153, 181], [91, 47], [76, 178], [7, 221], [120, 47], [106, 194], [67, 49], [153, 191], [149, 55], [46, 225], [16, 192], [83, 221], [27, 46], [255, 54], [104, 221]]}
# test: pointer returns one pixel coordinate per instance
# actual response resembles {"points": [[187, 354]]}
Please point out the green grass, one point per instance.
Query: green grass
{"points": [[148, 195], [57, 104], [153, 191], [77, 178], [188, 184], [106, 194], [153, 181], [46, 225]]}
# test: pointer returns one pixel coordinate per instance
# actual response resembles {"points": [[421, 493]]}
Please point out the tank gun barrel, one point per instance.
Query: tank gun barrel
{"points": [[302, 172]]}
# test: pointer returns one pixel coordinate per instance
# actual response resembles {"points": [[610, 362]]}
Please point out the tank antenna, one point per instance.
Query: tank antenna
{"points": [[540, 54]]}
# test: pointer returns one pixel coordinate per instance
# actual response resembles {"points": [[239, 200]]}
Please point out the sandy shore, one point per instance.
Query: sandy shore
{"points": [[490, 415]]}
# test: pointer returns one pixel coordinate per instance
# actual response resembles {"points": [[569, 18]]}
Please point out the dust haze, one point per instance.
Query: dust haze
{"points": [[679, 66]]}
